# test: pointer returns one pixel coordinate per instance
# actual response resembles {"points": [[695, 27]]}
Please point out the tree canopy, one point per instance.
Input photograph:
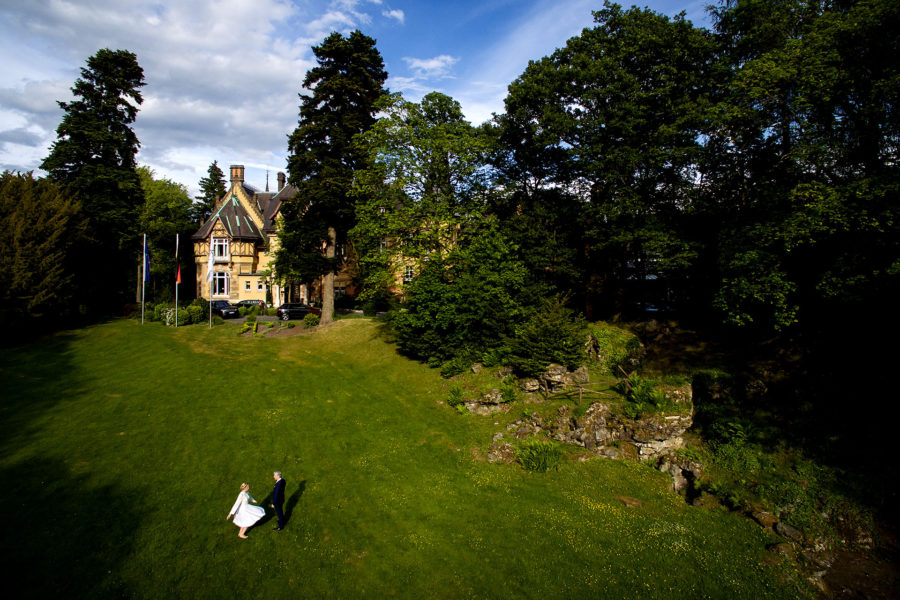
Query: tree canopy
{"points": [[212, 188], [94, 159], [343, 89]]}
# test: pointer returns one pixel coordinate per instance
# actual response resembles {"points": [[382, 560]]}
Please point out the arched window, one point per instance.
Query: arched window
{"points": [[220, 283]]}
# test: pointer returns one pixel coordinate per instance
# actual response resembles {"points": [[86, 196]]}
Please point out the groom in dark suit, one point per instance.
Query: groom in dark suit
{"points": [[278, 500]]}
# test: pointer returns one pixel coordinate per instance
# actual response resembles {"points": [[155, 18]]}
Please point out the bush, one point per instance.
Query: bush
{"points": [[244, 328], [310, 320], [615, 348], [217, 320], [539, 455], [242, 310], [455, 366], [270, 325], [454, 398], [553, 334], [469, 300], [250, 318], [291, 324], [202, 303], [508, 392], [271, 312], [196, 313], [642, 397]]}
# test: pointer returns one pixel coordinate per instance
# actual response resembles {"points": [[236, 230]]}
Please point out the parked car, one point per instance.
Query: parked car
{"points": [[224, 309], [295, 310], [250, 304]]}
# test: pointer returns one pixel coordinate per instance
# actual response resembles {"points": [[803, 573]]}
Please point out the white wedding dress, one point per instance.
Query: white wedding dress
{"points": [[246, 514]]}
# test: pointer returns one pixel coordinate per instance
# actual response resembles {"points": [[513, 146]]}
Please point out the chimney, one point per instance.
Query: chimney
{"points": [[280, 181], [237, 174]]}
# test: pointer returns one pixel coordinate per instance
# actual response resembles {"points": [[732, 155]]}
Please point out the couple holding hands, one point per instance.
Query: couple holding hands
{"points": [[246, 515]]}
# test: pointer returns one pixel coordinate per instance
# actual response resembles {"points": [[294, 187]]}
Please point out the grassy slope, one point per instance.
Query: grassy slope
{"points": [[123, 447]]}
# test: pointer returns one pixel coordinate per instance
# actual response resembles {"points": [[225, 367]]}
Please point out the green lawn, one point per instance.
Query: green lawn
{"points": [[124, 445]]}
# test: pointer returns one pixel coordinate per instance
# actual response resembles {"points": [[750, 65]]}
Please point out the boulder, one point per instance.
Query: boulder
{"points": [[529, 385], [789, 532], [501, 452], [492, 397], [476, 368]]}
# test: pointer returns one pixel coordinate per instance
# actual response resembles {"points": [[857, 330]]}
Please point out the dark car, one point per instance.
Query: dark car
{"points": [[224, 309], [251, 304], [295, 310]]}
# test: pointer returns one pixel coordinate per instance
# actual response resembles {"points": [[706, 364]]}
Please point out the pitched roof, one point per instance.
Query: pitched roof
{"points": [[234, 218]]}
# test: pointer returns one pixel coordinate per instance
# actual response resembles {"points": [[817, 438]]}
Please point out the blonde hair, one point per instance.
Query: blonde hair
{"points": [[245, 487]]}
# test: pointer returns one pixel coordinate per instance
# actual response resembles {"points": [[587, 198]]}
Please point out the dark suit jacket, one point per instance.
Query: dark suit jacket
{"points": [[278, 493]]}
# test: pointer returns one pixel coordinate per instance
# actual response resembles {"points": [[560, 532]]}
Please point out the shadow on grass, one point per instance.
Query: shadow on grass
{"points": [[63, 537], [33, 378], [289, 506]]}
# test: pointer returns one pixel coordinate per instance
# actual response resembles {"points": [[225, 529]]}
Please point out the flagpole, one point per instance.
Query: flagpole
{"points": [[176, 281], [143, 275]]}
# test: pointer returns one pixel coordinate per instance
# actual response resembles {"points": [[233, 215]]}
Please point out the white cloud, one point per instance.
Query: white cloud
{"points": [[395, 14], [431, 68]]}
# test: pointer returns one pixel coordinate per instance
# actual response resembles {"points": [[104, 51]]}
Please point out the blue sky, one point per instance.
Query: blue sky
{"points": [[223, 75]]}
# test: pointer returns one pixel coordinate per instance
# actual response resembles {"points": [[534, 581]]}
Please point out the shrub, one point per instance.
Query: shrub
{"points": [[454, 398], [469, 300], [271, 312], [217, 320], [184, 317], [196, 313], [202, 303], [270, 325], [508, 392], [553, 334], [250, 318], [291, 324], [642, 397], [244, 328], [455, 366], [310, 320], [539, 455], [615, 348], [242, 310]]}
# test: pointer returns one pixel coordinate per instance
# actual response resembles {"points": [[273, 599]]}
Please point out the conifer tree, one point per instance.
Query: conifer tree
{"points": [[94, 159], [212, 187], [344, 88]]}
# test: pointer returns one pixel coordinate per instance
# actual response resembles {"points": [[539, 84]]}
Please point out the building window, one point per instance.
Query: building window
{"points": [[382, 245], [220, 249], [247, 286], [408, 274], [220, 283], [340, 292], [260, 285]]}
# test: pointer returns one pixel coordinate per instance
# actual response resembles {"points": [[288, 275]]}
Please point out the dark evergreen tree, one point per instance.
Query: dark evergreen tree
{"points": [[344, 88], [212, 188], [94, 159], [41, 224]]}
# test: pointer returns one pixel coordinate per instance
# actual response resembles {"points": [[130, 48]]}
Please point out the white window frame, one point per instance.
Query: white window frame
{"points": [[247, 285], [221, 250], [224, 278], [260, 285], [408, 274]]}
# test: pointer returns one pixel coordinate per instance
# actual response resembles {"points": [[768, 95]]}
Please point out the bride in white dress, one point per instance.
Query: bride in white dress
{"points": [[245, 514]]}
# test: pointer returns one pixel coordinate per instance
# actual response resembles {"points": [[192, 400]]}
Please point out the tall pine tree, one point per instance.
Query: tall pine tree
{"points": [[94, 158], [212, 187], [344, 87]]}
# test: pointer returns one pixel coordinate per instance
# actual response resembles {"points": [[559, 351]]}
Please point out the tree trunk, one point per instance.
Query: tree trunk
{"points": [[328, 282]]}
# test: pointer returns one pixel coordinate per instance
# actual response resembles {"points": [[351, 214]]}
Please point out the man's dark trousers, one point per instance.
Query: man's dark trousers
{"points": [[278, 501]]}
